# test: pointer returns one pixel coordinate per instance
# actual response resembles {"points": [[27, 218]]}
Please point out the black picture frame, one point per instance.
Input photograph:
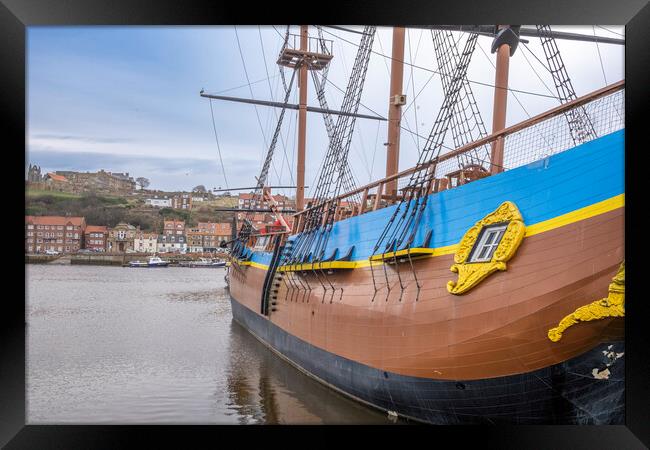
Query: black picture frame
{"points": [[16, 15]]}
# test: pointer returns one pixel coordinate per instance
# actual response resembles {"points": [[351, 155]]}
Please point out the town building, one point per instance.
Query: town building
{"points": [[208, 236], [121, 238], [56, 182], [174, 227], [182, 201], [222, 231], [95, 238], [195, 240], [101, 181], [55, 233], [145, 242], [249, 200], [283, 201], [171, 243], [258, 220], [124, 181], [156, 202]]}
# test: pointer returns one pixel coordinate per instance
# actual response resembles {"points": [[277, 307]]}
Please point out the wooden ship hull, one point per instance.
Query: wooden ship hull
{"points": [[485, 284], [540, 340]]}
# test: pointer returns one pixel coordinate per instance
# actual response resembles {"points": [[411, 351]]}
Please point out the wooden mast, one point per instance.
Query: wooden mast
{"points": [[395, 102], [504, 45], [302, 124]]}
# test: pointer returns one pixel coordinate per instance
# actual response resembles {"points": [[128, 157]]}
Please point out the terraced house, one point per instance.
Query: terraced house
{"points": [[145, 242], [55, 233], [208, 236], [173, 237], [95, 238]]}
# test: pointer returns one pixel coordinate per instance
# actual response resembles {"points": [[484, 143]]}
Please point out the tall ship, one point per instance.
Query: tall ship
{"points": [[484, 284]]}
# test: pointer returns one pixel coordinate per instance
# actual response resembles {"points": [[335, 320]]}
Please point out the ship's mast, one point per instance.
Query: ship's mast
{"points": [[302, 124], [395, 102], [504, 45]]}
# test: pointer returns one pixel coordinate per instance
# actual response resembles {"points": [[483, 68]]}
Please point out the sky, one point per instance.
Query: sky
{"points": [[126, 99]]}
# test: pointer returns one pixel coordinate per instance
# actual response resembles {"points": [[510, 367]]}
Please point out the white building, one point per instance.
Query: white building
{"points": [[159, 202], [145, 243], [172, 243]]}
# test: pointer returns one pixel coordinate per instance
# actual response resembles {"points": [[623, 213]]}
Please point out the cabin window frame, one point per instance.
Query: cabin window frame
{"points": [[483, 241]]}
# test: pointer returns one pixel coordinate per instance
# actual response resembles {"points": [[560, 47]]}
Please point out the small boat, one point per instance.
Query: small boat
{"points": [[154, 261], [207, 262]]}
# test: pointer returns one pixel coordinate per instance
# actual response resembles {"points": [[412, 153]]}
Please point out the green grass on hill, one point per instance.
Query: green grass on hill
{"points": [[110, 210], [30, 193]]}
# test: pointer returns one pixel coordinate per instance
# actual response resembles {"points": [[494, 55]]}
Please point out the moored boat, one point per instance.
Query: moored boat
{"points": [[153, 261], [482, 285], [207, 262]]}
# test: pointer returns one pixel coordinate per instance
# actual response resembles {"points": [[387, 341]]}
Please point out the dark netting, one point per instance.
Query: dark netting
{"points": [[551, 136], [554, 135]]}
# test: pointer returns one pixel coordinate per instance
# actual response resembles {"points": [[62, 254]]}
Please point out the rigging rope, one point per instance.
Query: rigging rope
{"points": [[408, 212], [257, 114], [436, 72], [334, 174], [600, 58], [465, 129], [214, 127], [247, 228], [580, 126], [284, 147]]}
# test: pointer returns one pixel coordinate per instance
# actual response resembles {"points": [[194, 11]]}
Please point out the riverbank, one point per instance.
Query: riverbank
{"points": [[112, 259]]}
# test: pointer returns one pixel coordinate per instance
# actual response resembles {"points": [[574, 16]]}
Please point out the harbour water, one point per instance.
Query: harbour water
{"points": [[113, 345]]}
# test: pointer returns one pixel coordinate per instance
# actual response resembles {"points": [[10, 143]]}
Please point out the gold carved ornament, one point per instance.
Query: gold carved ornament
{"points": [[612, 306], [472, 273]]}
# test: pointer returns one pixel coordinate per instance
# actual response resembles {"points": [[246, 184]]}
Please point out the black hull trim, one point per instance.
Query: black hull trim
{"points": [[566, 393]]}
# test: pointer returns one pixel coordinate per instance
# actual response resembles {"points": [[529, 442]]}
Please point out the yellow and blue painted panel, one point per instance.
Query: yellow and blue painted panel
{"points": [[584, 181]]}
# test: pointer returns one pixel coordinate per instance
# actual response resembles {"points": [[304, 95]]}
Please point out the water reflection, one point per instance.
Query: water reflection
{"points": [[264, 388], [123, 346]]}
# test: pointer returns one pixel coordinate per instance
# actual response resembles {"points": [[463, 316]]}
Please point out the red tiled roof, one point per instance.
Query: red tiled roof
{"points": [[218, 227], [173, 223], [54, 220], [56, 177], [96, 229], [211, 228]]}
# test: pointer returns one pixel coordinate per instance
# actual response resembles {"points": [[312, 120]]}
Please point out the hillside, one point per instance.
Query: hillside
{"points": [[110, 210]]}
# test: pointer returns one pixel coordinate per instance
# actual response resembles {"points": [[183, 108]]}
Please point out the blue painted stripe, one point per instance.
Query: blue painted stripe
{"points": [[576, 178]]}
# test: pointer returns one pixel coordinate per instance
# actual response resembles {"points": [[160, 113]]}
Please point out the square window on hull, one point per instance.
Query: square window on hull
{"points": [[487, 243]]}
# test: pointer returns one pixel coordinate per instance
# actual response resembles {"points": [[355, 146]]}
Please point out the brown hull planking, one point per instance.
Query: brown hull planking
{"points": [[498, 328]]}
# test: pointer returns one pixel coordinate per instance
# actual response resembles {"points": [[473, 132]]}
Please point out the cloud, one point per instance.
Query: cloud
{"points": [[126, 98], [63, 137], [166, 173]]}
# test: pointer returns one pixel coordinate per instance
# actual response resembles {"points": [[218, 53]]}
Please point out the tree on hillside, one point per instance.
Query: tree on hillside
{"points": [[142, 182], [200, 188]]}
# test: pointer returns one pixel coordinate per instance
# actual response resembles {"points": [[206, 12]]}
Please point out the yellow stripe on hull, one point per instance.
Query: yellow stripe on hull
{"points": [[565, 219]]}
